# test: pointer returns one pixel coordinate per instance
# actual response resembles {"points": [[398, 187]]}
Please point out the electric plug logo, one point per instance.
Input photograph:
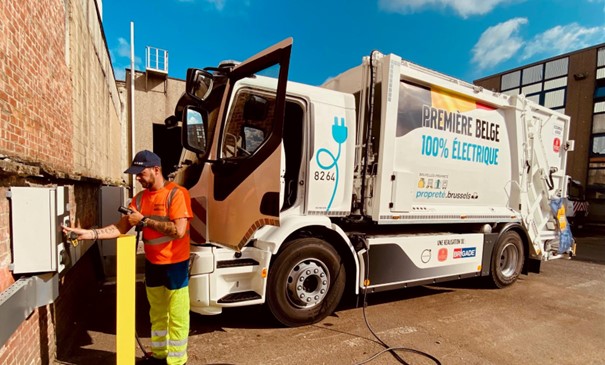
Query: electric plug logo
{"points": [[339, 134]]}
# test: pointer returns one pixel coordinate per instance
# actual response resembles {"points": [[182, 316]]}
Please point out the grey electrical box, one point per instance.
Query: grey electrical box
{"points": [[36, 216], [110, 199]]}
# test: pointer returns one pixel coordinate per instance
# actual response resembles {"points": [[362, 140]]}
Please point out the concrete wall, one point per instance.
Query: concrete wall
{"points": [[59, 125], [156, 96]]}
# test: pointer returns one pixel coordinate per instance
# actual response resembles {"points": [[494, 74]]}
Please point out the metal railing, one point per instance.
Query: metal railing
{"points": [[157, 59]]}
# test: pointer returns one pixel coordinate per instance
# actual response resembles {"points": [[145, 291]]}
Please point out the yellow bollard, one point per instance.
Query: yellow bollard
{"points": [[125, 299]]}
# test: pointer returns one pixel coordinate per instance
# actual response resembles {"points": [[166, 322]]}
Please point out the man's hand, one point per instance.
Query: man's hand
{"points": [[83, 234], [135, 217]]}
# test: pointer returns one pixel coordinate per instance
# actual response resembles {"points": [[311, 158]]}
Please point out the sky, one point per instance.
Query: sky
{"points": [[466, 39]]}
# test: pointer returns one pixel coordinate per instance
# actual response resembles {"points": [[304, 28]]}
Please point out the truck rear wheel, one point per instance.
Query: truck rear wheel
{"points": [[305, 283], [507, 259]]}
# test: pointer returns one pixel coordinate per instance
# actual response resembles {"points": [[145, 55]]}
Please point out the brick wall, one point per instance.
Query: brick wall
{"points": [[60, 124], [34, 112]]}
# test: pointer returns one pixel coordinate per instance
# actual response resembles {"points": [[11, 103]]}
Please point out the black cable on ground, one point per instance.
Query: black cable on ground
{"points": [[392, 350]]}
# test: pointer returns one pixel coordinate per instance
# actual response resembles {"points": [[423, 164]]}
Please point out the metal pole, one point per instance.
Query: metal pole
{"points": [[132, 89]]}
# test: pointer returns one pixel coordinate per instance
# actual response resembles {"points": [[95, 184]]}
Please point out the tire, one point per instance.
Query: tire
{"points": [[507, 259], [320, 274]]}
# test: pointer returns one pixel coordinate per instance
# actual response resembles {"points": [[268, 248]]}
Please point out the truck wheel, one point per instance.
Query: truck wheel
{"points": [[507, 259], [305, 283]]}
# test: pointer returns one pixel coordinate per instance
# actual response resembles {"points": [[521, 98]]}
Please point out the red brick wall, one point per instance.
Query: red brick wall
{"points": [[35, 85], [33, 342], [35, 128]]}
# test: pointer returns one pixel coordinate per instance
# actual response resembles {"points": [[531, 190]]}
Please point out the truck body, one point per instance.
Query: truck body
{"points": [[387, 176]]}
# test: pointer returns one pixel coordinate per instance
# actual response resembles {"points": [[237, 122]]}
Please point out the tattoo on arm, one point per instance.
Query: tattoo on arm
{"points": [[167, 228], [110, 231]]}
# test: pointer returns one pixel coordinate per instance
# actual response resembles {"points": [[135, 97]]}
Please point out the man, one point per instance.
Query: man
{"points": [[162, 211]]}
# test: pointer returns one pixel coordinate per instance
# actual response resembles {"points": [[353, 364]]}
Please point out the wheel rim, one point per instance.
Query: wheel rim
{"points": [[509, 260], [308, 283]]}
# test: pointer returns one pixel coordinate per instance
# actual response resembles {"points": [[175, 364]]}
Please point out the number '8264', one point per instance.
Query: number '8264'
{"points": [[324, 176]]}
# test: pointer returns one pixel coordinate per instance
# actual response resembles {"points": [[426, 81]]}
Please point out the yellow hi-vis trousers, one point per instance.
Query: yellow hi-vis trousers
{"points": [[169, 314]]}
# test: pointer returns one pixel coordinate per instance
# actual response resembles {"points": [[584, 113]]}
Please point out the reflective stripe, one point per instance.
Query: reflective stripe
{"points": [[170, 196], [159, 333], [159, 218], [177, 343], [177, 354], [158, 241], [138, 200], [156, 344]]}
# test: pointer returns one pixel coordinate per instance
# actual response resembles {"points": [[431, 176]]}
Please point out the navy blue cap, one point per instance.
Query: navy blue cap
{"points": [[142, 160]]}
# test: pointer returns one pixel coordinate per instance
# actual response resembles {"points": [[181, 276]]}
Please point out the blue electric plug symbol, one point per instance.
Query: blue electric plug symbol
{"points": [[339, 134]]}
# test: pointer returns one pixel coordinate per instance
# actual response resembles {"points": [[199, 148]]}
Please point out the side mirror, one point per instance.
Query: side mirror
{"points": [[199, 83], [194, 130], [256, 108]]}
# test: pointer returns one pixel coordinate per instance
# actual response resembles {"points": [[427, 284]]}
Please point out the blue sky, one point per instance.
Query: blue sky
{"points": [[467, 39]]}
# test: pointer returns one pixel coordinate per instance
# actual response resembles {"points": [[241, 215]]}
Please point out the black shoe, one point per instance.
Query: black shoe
{"points": [[150, 360]]}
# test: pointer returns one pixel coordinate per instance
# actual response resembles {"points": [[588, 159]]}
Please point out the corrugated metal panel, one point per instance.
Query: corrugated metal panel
{"points": [[601, 73], [554, 99], [510, 80], [556, 68], [532, 74], [555, 84], [601, 57], [532, 89]]}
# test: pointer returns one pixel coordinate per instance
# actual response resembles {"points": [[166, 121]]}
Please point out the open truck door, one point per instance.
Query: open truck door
{"points": [[239, 187]]}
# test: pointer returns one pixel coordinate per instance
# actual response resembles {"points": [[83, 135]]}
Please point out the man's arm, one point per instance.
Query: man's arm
{"points": [[174, 229], [108, 232]]}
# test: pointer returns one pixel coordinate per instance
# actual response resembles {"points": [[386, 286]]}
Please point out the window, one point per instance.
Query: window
{"points": [[249, 124], [510, 80]]}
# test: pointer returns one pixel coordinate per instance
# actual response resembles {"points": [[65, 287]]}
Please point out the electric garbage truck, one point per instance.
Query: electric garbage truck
{"points": [[389, 175]]}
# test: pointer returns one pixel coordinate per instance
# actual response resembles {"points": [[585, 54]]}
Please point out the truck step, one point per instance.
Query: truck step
{"points": [[240, 297], [235, 263]]}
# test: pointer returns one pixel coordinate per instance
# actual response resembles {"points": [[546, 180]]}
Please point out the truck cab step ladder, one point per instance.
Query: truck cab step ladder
{"points": [[240, 297], [236, 263]]}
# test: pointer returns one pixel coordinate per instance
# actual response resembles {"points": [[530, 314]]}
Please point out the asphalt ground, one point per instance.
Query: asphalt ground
{"points": [[555, 317]]}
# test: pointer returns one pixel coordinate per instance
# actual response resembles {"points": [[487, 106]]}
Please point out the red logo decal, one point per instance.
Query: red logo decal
{"points": [[556, 145], [442, 256]]}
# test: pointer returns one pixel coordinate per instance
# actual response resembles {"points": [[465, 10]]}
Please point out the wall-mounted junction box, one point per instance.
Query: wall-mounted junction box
{"points": [[36, 217]]}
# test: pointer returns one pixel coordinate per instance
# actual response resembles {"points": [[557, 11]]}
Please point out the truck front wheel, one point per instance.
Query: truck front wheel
{"points": [[507, 259], [306, 282]]}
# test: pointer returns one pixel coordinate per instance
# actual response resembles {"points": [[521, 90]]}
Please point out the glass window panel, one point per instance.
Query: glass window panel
{"points": [[532, 74], [554, 99], [598, 123], [531, 89], [510, 80], [560, 110], [599, 107], [556, 83], [511, 92], [534, 98], [556, 68], [599, 92], [601, 57], [598, 145], [601, 73]]}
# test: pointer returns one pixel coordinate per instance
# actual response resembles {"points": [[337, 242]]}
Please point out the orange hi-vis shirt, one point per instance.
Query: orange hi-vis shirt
{"points": [[164, 205]]}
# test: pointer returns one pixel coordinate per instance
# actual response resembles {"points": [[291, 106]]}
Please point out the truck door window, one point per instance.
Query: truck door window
{"points": [[249, 124]]}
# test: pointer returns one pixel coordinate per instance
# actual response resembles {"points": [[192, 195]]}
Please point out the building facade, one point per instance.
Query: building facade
{"points": [[574, 84]]}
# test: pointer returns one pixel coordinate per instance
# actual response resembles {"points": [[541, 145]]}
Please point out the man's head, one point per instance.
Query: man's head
{"points": [[147, 166], [142, 160]]}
